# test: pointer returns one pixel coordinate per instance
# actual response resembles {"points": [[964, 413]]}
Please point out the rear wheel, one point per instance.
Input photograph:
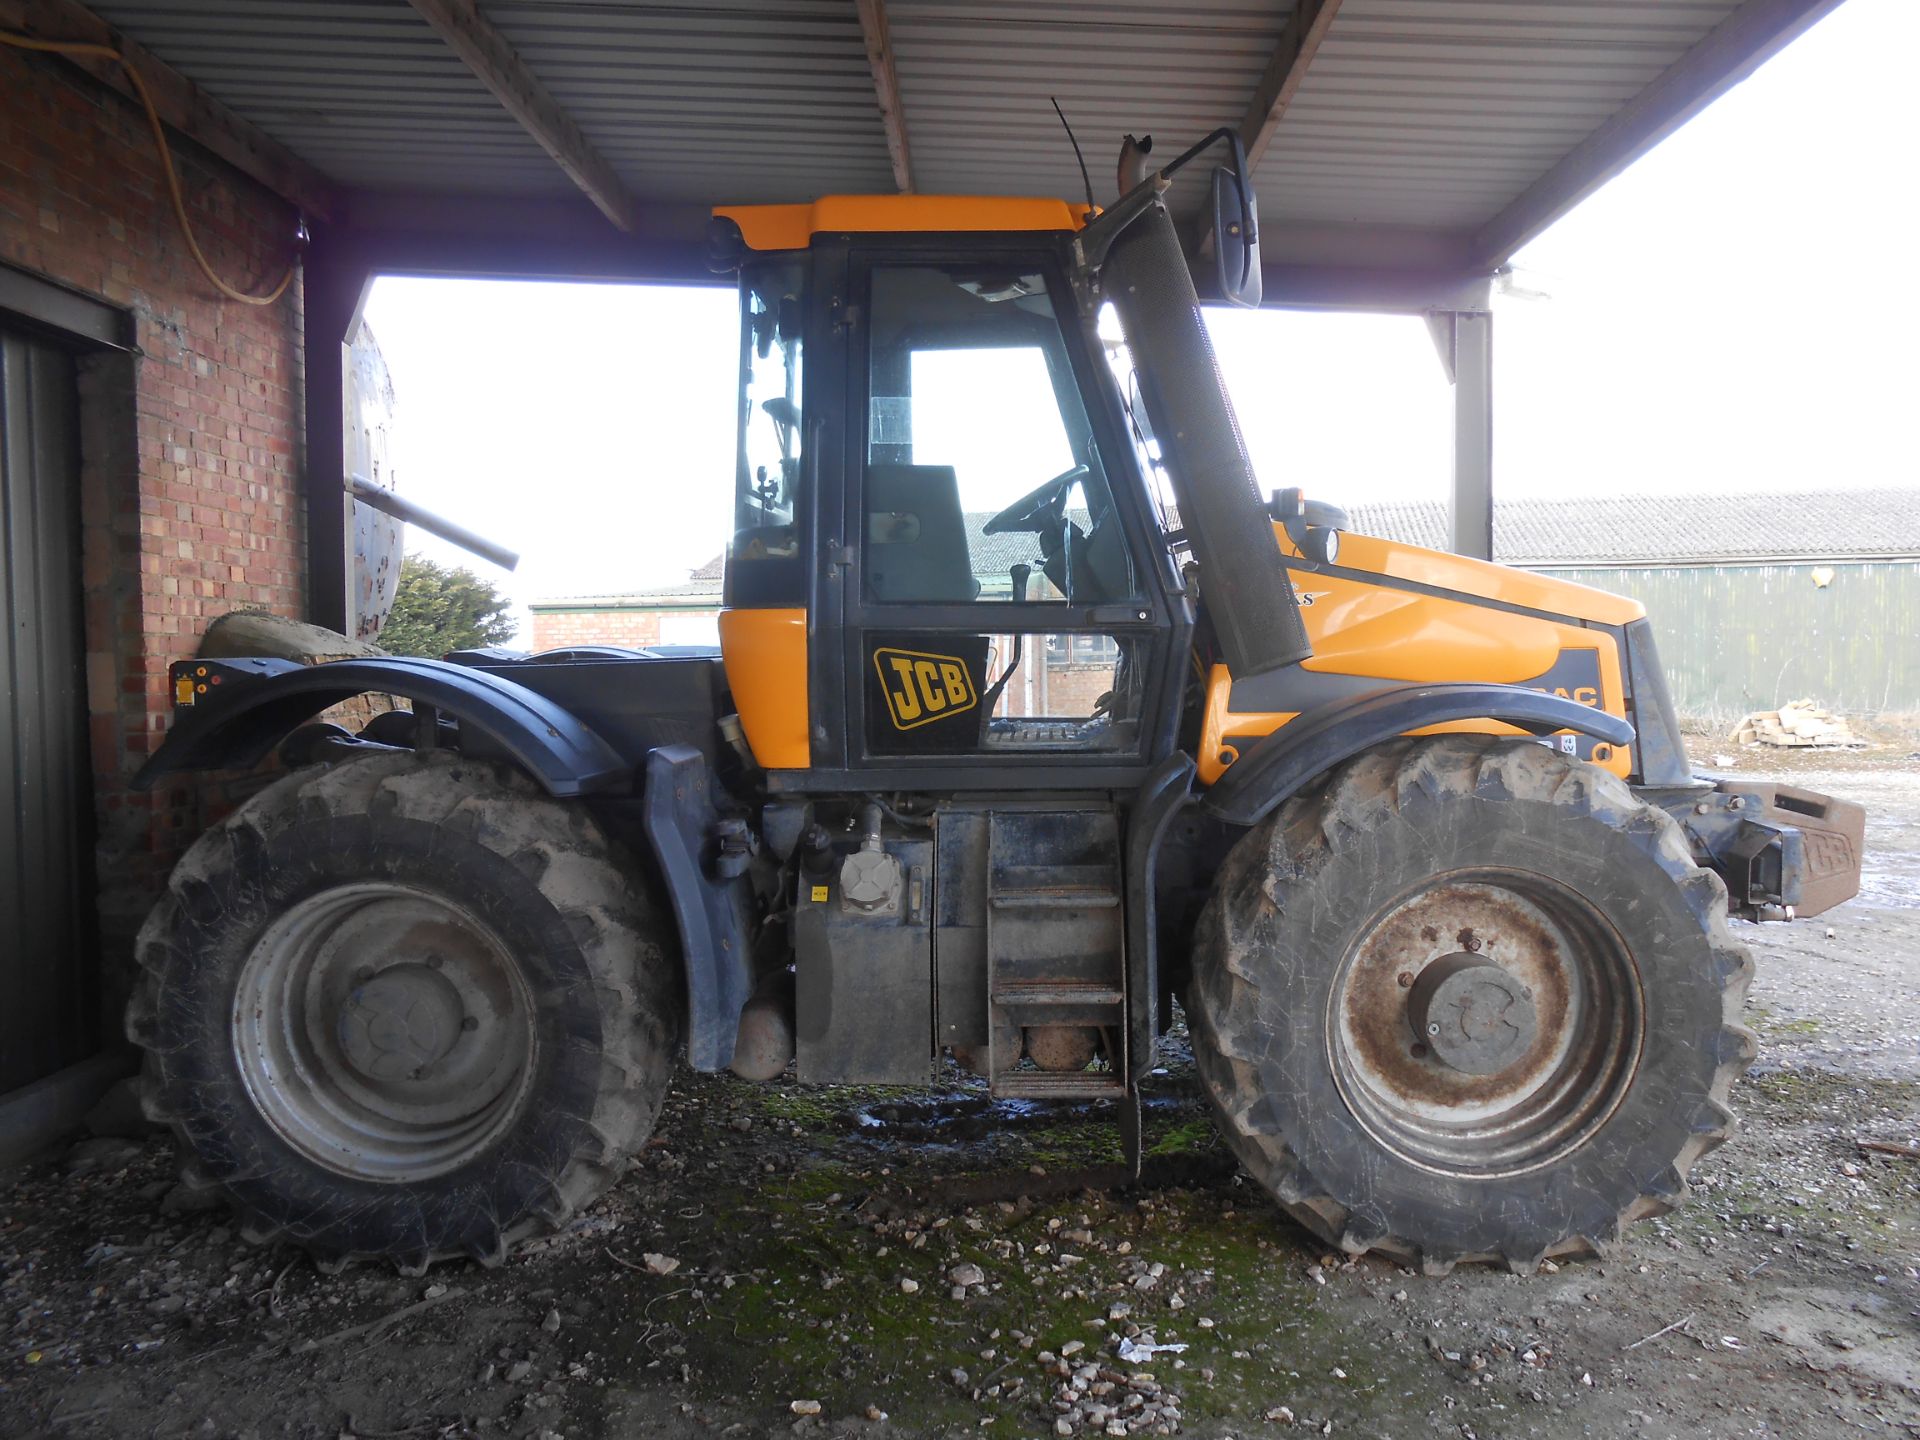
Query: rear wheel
{"points": [[405, 1007], [1469, 1000]]}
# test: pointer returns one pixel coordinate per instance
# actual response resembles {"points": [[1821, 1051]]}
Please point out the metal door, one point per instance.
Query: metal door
{"points": [[46, 961]]}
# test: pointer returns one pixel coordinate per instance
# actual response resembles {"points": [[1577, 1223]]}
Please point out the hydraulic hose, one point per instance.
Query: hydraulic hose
{"points": [[86, 48]]}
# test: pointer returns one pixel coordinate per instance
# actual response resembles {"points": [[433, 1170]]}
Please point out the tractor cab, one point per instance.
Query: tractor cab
{"points": [[936, 487]]}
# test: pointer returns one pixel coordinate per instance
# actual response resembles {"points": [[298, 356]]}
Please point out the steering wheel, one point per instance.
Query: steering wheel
{"points": [[1039, 510]]}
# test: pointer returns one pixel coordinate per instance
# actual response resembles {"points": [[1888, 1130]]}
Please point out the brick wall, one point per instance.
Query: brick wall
{"points": [[1059, 686], [190, 490], [558, 629]]}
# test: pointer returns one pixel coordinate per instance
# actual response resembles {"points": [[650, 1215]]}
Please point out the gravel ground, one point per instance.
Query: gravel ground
{"points": [[807, 1261]]}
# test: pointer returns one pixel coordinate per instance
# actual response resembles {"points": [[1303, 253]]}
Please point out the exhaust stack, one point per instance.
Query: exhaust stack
{"points": [[1249, 595]]}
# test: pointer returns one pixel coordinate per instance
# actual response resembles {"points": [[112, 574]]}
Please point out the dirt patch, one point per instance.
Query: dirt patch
{"points": [[953, 1265]]}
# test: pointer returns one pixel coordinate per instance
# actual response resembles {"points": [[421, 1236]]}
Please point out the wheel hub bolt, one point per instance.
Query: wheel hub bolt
{"points": [[1478, 1018]]}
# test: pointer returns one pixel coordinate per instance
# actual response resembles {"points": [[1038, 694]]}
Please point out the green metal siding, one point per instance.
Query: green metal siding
{"points": [[1736, 638]]}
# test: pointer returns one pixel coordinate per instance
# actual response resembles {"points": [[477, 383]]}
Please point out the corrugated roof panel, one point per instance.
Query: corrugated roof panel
{"points": [[976, 80], [362, 89], [1418, 119], [768, 101], [1437, 115]]}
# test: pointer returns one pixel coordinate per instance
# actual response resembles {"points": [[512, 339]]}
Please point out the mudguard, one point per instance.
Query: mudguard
{"points": [[1278, 765], [229, 714], [710, 908]]}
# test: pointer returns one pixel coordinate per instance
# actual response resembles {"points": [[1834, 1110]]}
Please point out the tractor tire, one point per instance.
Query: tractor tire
{"points": [[406, 1008], [1469, 1000]]}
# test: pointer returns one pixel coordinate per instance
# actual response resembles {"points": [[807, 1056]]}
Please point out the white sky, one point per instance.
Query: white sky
{"points": [[1737, 312]]}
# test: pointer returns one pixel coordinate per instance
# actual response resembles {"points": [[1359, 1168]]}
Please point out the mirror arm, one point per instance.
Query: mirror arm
{"points": [[1092, 244]]}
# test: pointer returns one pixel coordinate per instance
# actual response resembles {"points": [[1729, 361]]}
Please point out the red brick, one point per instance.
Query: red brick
{"points": [[169, 438]]}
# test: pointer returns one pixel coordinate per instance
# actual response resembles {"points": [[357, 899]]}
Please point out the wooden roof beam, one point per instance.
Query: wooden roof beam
{"points": [[1729, 53], [886, 89], [1293, 52], [496, 65], [183, 106]]}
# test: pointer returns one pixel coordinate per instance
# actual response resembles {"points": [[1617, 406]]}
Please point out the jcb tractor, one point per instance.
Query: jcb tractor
{"points": [[1031, 715]]}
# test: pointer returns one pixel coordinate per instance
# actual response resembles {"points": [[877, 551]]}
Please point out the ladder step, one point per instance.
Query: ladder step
{"points": [[1061, 1085], [1040, 994], [1056, 897]]}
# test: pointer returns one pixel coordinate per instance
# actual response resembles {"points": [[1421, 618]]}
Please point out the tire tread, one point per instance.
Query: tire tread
{"points": [[1223, 996], [618, 928]]}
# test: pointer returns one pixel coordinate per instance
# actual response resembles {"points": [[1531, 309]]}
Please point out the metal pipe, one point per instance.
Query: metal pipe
{"points": [[388, 503], [1133, 161]]}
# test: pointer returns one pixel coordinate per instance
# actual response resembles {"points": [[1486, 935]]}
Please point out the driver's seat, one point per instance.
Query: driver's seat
{"points": [[916, 540]]}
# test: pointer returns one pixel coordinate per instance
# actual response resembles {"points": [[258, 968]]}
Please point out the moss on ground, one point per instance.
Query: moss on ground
{"points": [[817, 1252]]}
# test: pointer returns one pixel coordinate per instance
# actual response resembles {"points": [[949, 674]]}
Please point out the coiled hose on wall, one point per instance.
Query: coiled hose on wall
{"points": [[88, 49]]}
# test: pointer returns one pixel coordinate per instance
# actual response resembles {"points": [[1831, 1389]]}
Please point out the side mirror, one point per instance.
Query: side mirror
{"points": [[1236, 237]]}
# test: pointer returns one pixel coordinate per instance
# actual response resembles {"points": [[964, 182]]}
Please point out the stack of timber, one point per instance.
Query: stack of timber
{"points": [[1799, 723]]}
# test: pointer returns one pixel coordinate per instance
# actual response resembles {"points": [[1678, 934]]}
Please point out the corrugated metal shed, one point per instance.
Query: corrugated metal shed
{"points": [[1598, 530], [1410, 132], [1755, 599], [1737, 638]]}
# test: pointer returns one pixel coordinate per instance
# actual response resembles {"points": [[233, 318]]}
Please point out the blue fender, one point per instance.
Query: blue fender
{"points": [[229, 714], [1279, 764]]}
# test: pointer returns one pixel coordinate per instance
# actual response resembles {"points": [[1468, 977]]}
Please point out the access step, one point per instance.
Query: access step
{"points": [[1058, 1002], [1051, 1085]]}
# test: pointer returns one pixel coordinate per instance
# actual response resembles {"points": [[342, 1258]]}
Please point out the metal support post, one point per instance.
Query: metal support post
{"points": [[1465, 341], [334, 291]]}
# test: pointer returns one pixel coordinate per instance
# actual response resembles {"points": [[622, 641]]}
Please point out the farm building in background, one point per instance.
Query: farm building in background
{"points": [[1755, 599], [687, 614]]}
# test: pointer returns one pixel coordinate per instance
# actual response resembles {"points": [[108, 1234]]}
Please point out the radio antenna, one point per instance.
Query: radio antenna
{"points": [[1084, 178]]}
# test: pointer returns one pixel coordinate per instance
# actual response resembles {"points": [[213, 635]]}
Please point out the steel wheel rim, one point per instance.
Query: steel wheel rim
{"points": [[384, 1032], [1589, 1014]]}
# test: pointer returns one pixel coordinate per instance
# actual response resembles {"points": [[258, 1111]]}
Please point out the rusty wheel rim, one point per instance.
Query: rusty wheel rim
{"points": [[1485, 1023], [384, 1032]]}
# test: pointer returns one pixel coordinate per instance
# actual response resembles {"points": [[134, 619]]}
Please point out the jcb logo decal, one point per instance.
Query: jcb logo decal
{"points": [[1574, 675], [921, 688]]}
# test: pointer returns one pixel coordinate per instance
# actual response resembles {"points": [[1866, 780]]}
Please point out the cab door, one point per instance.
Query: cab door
{"points": [[1001, 613]]}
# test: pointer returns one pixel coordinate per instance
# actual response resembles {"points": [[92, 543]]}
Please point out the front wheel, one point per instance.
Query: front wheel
{"points": [[1469, 1000], [405, 1007]]}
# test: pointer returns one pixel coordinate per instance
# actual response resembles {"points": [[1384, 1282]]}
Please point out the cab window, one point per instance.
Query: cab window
{"points": [[764, 565], [983, 480]]}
